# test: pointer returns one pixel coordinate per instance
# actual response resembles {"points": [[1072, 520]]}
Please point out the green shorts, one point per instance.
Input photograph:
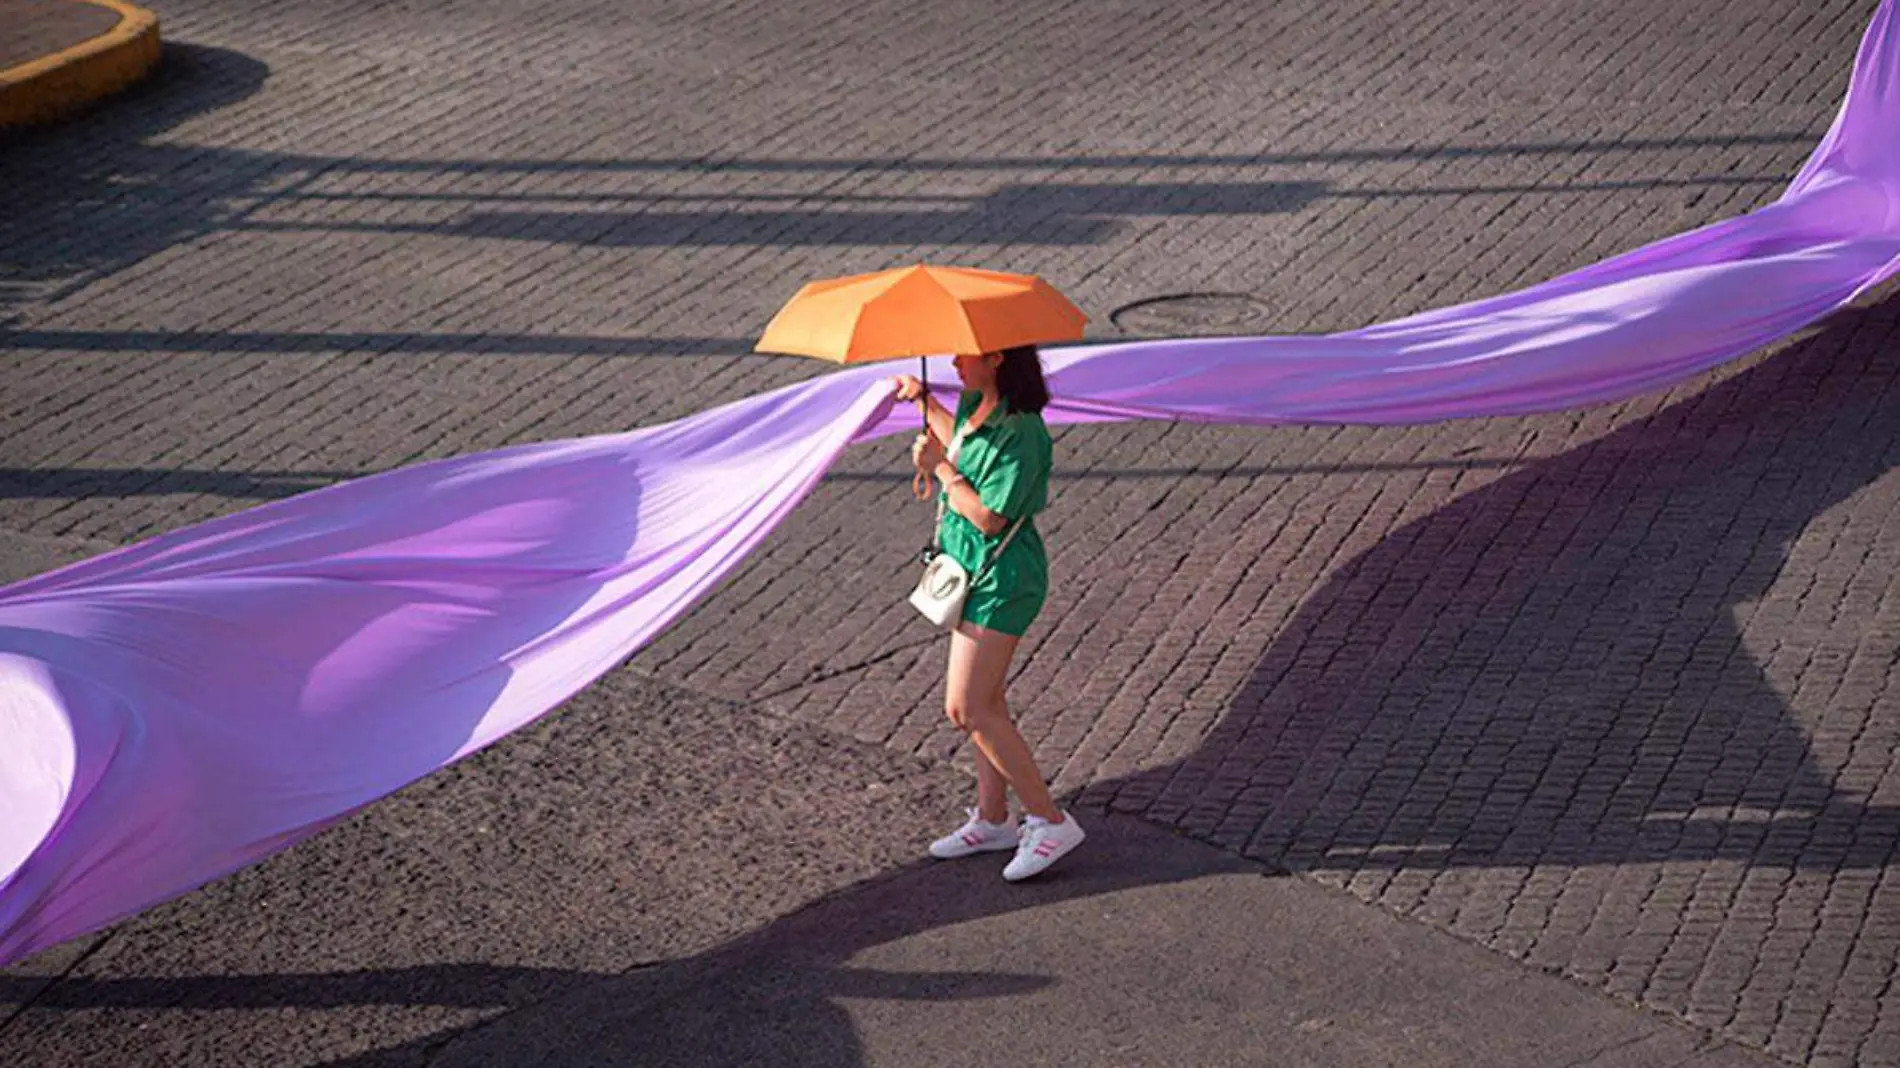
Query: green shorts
{"points": [[1008, 611], [1015, 583]]}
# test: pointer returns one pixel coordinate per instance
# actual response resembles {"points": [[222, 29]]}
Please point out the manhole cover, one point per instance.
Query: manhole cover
{"points": [[1191, 314]]}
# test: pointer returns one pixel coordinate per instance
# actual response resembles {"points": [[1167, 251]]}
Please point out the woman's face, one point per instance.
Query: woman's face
{"points": [[978, 372]]}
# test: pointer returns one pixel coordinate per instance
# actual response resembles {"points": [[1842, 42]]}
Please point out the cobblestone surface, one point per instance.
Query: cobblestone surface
{"points": [[1604, 691]]}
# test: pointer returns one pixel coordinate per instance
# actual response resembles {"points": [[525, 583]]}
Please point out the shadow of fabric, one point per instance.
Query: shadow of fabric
{"points": [[1571, 665]]}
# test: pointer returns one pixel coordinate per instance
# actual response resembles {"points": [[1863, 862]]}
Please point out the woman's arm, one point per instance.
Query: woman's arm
{"points": [[943, 421], [966, 502], [940, 421]]}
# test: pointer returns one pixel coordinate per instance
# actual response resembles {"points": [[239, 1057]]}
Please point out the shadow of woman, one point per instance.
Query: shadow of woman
{"points": [[1508, 717], [772, 997], [1605, 710]]}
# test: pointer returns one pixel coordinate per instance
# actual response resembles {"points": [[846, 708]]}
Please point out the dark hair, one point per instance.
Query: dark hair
{"points": [[1019, 380]]}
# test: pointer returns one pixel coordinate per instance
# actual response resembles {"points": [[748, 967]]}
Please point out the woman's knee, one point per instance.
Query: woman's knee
{"points": [[973, 715]]}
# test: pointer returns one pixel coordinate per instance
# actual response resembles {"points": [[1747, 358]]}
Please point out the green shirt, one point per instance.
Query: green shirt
{"points": [[1007, 460]]}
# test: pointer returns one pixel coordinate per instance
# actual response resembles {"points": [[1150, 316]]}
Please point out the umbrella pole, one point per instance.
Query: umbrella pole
{"points": [[920, 482]]}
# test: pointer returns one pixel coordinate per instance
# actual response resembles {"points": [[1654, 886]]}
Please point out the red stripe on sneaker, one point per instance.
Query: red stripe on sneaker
{"points": [[971, 838]]}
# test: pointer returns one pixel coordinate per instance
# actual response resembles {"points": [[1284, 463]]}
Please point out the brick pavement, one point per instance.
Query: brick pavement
{"points": [[1604, 691]]}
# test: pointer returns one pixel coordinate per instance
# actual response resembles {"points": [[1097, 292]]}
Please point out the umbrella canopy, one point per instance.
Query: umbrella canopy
{"points": [[920, 311]]}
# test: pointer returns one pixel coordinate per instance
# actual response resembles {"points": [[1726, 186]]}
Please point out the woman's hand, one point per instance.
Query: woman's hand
{"points": [[937, 418], [926, 452]]}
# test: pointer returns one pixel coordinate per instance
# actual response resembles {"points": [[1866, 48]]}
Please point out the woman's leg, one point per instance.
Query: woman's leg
{"points": [[992, 791], [973, 699]]}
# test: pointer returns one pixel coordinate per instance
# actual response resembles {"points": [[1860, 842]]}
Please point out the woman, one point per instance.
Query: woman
{"points": [[995, 476]]}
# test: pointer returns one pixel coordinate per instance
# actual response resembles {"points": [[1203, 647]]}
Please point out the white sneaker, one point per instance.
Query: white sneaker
{"points": [[977, 835], [1042, 844]]}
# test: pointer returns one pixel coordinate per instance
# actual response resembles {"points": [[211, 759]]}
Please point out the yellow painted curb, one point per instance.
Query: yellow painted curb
{"points": [[59, 84]]}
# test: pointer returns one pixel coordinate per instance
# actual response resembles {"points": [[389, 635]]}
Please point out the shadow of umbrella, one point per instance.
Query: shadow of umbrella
{"points": [[783, 994], [1506, 716], [1552, 678]]}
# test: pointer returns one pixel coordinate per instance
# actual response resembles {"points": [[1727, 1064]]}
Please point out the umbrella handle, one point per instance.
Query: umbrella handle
{"points": [[920, 482]]}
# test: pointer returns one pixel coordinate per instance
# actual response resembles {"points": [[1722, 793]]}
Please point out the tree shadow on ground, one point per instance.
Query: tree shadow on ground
{"points": [[76, 483]]}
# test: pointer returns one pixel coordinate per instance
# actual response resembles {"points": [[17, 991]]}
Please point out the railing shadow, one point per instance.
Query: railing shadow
{"points": [[89, 199]]}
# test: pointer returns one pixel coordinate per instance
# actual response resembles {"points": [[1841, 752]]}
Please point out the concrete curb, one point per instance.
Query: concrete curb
{"points": [[57, 85]]}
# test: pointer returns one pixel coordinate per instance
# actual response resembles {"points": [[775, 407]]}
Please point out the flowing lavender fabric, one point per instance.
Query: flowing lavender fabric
{"points": [[174, 710]]}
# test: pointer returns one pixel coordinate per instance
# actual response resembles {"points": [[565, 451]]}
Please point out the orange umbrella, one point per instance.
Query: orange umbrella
{"points": [[920, 311]]}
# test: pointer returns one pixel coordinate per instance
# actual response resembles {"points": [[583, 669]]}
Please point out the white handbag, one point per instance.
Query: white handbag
{"points": [[945, 585]]}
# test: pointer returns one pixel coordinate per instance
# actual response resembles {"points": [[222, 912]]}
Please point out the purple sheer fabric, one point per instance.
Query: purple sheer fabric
{"points": [[180, 708]]}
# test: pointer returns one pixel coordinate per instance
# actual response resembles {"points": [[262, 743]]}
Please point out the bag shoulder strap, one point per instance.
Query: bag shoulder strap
{"points": [[998, 551], [936, 533], [950, 453]]}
